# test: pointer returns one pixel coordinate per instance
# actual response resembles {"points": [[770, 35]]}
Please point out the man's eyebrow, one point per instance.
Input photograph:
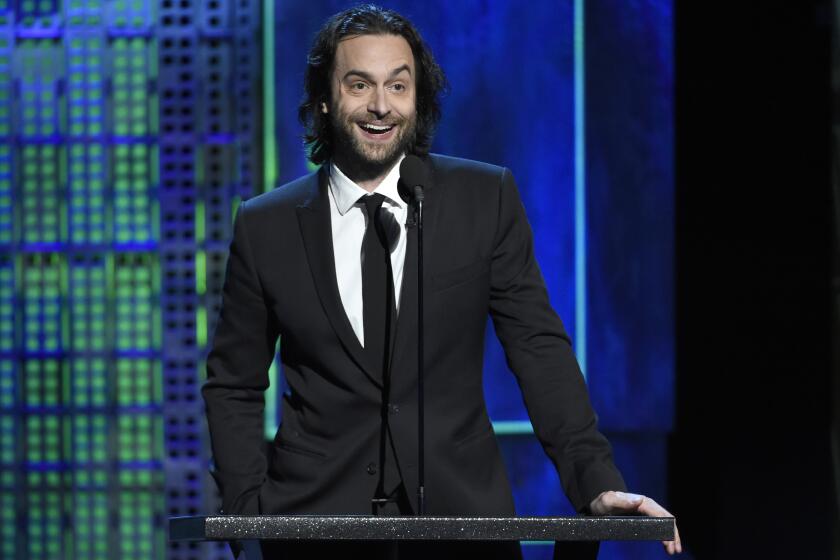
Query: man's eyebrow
{"points": [[402, 68], [366, 76]]}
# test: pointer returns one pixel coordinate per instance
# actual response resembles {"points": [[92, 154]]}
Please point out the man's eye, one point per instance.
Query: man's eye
{"points": [[358, 86], [398, 87]]}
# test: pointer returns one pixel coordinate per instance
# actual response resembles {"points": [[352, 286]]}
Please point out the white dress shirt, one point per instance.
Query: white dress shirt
{"points": [[348, 218]]}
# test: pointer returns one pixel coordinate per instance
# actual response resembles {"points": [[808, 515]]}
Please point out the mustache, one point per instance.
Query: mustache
{"points": [[367, 119]]}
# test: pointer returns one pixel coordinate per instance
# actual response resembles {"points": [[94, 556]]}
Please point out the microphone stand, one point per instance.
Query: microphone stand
{"points": [[421, 463]]}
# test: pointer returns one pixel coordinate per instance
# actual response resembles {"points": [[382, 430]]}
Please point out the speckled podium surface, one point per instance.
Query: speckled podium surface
{"points": [[364, 527]]}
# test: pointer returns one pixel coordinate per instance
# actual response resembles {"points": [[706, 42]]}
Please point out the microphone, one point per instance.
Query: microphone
{"points": [[415, 176]]}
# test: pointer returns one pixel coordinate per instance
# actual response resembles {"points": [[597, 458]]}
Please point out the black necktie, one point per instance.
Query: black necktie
{"points": [[379, 308]]}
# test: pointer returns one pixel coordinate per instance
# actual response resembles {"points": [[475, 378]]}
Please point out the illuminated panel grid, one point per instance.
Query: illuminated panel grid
{"points": [[135, 209], [138, 382], [42, 389], [140, 503], [87, 302], [139, 438], [38, 65], [44, 512], [42, 302], [6, 208], [7, 304], [88, 441], [135, 303], [82, 13], [88, 383], [38, 18], [86, 67], [42, 439], [6, 84], [41, 194], [9, 534], [89, 505], [128, 16], [8, 427], [86, 125], [87, 202], [132, 79], [8, 390]]}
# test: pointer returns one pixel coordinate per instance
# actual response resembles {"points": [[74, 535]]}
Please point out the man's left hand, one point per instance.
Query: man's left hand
{"points": [[618, 503]]}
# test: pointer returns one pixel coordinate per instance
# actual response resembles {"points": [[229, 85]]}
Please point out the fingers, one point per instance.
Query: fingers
{"points": [[674, 546], [611, 502], [618, 502]]}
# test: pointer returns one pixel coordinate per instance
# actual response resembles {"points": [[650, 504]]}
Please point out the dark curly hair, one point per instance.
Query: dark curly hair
{"points": [[367, 19]]}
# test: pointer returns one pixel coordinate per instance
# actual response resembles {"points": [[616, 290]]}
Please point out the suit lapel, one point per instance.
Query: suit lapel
{"points": [[314, 220]]}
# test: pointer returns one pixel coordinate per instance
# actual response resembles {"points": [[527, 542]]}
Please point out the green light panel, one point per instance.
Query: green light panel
{"points": [[42, 195], [96, 447], [135, 206], [42, 302], [135, 15], [137, 314], [39, 66], [86, 184], [87, 443], [141, 501], [132, 78], [83, 13], [44, 515], [42, 384], [88, 383], [9, 535], [87, 303], [8, 434], [85, 67], [7, 304], [6, 209], [139, 437], [89, 506], [138, 382]]}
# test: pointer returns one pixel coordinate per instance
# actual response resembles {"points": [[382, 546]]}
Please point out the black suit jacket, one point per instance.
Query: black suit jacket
{"points": [[479, 259]]}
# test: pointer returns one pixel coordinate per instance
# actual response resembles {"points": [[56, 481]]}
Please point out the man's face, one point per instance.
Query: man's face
{"points": [[373, 99]]}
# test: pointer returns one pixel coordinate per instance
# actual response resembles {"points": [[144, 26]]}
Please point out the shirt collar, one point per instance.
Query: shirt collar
{"points": [[346, 193]]}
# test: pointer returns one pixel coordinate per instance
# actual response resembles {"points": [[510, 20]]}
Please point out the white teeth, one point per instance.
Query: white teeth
{"points": [[377, 128]]}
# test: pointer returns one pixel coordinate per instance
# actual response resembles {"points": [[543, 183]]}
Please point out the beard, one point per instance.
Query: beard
{"points": [[361, 159]]}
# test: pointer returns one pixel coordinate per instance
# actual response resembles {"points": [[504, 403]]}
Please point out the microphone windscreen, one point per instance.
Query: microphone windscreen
{"points": [[413, 173]]}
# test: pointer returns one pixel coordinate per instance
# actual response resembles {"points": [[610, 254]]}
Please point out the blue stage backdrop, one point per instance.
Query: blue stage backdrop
{"points": [[131, 129]]}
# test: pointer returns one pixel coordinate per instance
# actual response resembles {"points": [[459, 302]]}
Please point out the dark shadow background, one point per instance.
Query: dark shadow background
{"points": [[749, 461]]}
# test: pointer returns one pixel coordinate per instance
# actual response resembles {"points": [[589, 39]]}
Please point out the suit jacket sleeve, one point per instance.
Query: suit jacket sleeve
{"points": [[539, 353], [237, 377]]}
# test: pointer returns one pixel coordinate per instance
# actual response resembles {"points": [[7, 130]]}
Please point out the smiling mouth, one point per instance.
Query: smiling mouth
{"points": [[376, 128]]}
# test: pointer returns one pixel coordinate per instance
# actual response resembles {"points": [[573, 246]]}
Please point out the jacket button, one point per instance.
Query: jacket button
{"points": [[393, 409], [371, 468]]}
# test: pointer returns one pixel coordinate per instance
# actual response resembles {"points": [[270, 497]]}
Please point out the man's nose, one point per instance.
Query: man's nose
{"points": [[378, 103]]}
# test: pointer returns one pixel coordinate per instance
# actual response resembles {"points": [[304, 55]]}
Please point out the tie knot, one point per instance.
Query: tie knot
{"points": [[373, 202], [386, 226]]}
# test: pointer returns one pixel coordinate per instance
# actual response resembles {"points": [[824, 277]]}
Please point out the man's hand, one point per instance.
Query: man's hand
{"points": [[617, 503]]}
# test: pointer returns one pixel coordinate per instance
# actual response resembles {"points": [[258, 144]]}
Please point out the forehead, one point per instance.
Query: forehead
{"points": [[373, 54]]}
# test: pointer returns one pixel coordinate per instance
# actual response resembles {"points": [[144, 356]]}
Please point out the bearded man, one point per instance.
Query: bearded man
{"points": [[328, 263]]}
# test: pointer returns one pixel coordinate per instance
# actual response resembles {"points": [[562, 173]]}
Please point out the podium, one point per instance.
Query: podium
{"points": [[255, 528]]}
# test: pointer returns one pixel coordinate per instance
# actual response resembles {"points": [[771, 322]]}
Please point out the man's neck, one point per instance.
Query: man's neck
{"points": [[367, 176]]}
